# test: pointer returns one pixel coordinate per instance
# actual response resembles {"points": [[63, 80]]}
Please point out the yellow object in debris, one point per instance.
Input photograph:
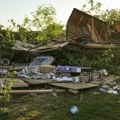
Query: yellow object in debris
{"points": [[14, 72]]}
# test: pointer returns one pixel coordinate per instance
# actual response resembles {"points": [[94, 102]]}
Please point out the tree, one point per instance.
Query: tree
{"points": [[44, 22], [111, 17]]}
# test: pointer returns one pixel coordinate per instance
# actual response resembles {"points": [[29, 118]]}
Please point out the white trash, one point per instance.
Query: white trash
{"points": [[74, 109], [112, 91]]}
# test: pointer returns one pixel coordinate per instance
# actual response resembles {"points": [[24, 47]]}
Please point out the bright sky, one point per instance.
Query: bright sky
{"points": [[17, 9]]}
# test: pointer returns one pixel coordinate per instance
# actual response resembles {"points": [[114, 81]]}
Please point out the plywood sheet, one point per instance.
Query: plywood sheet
{"points": [[76, 86], [40, 82]]}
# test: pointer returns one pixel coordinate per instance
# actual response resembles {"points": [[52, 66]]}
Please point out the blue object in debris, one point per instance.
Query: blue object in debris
{"points": [[72, 69], [102, 90]]}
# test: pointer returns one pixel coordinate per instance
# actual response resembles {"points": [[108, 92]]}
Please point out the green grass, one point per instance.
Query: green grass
{"points": [[47, 107]]}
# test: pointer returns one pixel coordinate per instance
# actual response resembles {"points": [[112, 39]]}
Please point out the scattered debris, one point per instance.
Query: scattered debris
{"points": [[20, 46], [54, 94], [102, 90], [96, 93], [110, 79], [117, 87], [42, 60], [104, 72], [3, 71], [73, 78], [105, 86], [81, 97], [46, 68], [112, 91], [73, 91], [2, 84], [74, 109], [76, 79], [69, 69], [112, 83], [83, 30]]}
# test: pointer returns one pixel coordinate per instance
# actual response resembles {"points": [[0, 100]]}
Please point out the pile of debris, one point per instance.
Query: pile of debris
{"points": [[41, 72], [83, 32]]}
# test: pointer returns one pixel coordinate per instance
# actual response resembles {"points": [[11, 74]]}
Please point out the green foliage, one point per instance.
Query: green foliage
{"points": [[92, 7], [96, 59], [22, 32], [5, 91], [43, 20], [52, 31], [5, 88], [111, 17], [91, 106], [6, 42], [41, 26], [43, 17]]}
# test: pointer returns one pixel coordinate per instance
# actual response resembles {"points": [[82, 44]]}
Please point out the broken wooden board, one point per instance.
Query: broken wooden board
{"points": [[49, 48], [17, 68], [75, 86], [5, 67], [34, 91], [22, 46], [17, 83], [40, 82], [100, 46], [73, 91], [110, 78]]}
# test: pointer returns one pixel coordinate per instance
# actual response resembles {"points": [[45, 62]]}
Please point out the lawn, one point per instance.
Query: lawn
{"points": [[103, 106]]}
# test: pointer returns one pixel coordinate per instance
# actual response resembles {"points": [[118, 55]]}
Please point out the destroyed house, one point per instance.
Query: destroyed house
{"points": [[83, 26]]}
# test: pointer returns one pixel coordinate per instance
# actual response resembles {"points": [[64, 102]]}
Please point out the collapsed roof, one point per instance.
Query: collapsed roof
{"points": [[40, 49], [81, 25]]}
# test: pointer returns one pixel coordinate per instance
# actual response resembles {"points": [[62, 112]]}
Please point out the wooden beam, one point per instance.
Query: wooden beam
{"points": [[94, 34], [90, 21], [78, 25], [98, 36], [79, 20], [101, 32], [90, 28], [34, 91]]}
